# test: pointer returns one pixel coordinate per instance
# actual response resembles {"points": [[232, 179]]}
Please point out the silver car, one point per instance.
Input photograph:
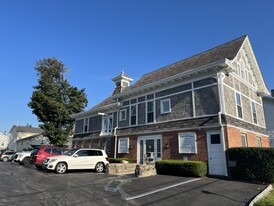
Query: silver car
{"points": [[7, 156]]}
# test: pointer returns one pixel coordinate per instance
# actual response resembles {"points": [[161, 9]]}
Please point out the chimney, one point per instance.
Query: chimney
{"points": [[272, 92], [121, 82]]}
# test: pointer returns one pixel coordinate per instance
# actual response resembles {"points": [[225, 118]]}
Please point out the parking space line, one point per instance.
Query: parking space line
{"points": [[161, 189]]}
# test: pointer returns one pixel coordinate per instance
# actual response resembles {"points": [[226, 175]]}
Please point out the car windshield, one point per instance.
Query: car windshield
{"points": [[70, 152]]}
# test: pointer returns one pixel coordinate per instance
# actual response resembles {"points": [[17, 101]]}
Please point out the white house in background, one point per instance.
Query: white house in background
{"points": [[18, 133], [29, 143], [4, 140], [268, 103]]}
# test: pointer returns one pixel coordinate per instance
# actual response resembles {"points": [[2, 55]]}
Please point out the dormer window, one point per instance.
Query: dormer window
{"points": [[85, 128], [107, 126]]}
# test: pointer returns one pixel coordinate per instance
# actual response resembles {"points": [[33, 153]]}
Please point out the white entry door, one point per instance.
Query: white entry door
{"points": [[149, 149], [216, 154]]}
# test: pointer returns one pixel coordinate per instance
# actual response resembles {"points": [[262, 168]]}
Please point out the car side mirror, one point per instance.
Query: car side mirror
{"points": [[76, 155]]}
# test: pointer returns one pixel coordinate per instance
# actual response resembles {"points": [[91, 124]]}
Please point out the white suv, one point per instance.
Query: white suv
{"points": [[78, 159], [22, 158]]}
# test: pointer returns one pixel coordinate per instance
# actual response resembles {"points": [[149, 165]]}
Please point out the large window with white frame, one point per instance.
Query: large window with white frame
{"points": [[254, 112], [123, 145], [107, 125], [85, 127], [150, 112], [133, 115], [239, 105], [165, 106]]}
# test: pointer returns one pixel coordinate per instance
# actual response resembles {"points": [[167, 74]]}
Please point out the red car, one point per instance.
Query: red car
{"points": [[38, 155]]}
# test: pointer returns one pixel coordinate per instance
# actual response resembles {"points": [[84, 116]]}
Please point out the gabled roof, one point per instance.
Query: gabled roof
{"points": [[27, 129], [226, 51], [215, 56], [3, 136]]}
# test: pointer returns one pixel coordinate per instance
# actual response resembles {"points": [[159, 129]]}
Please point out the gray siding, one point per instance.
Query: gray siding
{"points": [[173, 90], [142, 113], [181, 107], [206, 101], [95, 123], [79, 124], [125, 122]]}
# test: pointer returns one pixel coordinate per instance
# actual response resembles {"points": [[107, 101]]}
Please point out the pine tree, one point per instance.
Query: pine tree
{"points": [[54, 100]]}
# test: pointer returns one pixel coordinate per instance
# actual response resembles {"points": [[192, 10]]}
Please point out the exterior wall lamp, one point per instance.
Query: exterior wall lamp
{"points": [[131, 146], [167, 146]]}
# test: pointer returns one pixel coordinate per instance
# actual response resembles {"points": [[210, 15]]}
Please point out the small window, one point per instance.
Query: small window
{"points": [[133, 116], [123, 114], [83, 144], [56, 151], [215, 139], [254, 112], [259, 142], [123, 145], [91, 144], [244, 140], [83, 153], [165, 106], [85, 129], [150, 112], [239, 105]]}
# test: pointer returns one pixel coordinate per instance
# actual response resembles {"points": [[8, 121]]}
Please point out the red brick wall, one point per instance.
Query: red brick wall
{"points": [[132, 151], [234, 138], [171, 138]]}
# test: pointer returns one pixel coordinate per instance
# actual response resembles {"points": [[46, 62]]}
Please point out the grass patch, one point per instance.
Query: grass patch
{"points": [[266, 201]]}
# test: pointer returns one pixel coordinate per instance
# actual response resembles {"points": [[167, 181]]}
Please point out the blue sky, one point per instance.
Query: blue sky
{"points": [[97, 39]]}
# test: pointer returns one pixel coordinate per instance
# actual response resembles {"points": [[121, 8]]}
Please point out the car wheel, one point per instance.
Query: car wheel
{"points": [[61, 168], [99, 167], [5, 159], [26, 161]]}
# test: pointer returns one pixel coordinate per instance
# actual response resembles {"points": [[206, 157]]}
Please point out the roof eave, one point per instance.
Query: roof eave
{"points": [[184, 75]]}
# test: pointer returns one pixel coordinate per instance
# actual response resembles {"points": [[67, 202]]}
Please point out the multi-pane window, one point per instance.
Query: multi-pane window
{"points": [[91, 144], [244, 140], [83, 144], [239, 105], [133, 116], [254, 112], [165, 106], [150, 112], [259, 142], [123, 114], [85, 129], [106, 125], [123, 145], [100, 144]]}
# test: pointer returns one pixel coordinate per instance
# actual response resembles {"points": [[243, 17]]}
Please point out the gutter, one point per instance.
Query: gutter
{"points": [[220, 78]]}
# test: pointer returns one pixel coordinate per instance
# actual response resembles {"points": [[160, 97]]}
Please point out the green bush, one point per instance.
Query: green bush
{"points": [[119, 160], [181, 168], [252, 163]]}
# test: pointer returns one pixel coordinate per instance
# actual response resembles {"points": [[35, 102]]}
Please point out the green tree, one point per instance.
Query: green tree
{"points": [[54, 100]]}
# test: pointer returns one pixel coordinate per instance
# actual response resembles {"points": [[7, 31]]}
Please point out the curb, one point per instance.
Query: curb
{"points": [[262, 194]]}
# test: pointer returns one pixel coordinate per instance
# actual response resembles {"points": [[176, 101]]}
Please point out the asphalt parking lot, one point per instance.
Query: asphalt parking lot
{"points": [[20, 185]]}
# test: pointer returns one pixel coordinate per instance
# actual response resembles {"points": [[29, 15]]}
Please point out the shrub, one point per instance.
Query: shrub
{"points": [[119, 160], [252, 163], [181, 168]]}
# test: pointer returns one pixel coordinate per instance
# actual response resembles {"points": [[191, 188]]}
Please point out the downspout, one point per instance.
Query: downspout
{"points": [[115, 143], [220, 79], [115, 129]]}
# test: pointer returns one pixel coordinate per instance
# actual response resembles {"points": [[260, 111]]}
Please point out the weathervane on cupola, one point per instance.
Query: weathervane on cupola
{"points": [[122, 81]]}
